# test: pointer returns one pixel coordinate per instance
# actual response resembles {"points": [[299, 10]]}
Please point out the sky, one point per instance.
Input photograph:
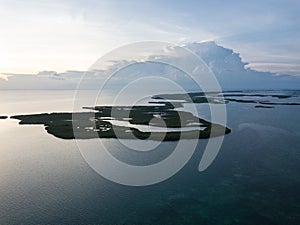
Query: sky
{"points": [[63, 35]]}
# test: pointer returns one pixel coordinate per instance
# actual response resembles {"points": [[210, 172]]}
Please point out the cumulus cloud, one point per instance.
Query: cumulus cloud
{"points": [[227, 65]]}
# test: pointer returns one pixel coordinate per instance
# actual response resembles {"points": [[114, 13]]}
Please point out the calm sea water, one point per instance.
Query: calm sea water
{"points": [[254, 180]]}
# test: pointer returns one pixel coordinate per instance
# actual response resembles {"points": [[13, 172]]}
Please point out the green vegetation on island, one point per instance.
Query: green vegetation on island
{"points": [[160, 120], [100, 124]]}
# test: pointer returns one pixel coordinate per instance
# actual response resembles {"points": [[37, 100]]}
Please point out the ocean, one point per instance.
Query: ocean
{"points": [[254, 179]]}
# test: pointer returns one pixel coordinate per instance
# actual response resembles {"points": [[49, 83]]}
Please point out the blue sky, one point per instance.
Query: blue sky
{"points": [[71, 35]]}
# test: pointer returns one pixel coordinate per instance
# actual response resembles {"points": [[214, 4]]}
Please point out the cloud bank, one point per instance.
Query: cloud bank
{"points": [[231, 72]]}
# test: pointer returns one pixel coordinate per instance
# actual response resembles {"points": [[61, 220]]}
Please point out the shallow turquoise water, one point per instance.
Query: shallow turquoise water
{"points": [[254, 179]]}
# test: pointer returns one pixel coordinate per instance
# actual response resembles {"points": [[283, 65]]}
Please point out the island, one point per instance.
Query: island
{"points": [[154, 122], [3, 117], [264, 106], [163, 118], [230, 96]]}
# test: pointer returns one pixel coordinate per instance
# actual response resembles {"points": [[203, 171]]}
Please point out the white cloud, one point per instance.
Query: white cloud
{"points": [[4, 77], [227, 66]]}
